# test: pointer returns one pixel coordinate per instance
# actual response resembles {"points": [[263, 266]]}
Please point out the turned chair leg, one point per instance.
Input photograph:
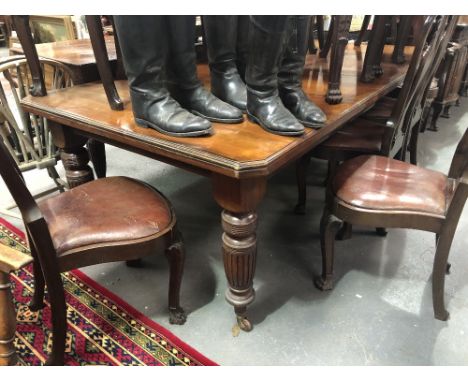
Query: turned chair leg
{"points": [[328, 227], [175, 254], [301, 175]]}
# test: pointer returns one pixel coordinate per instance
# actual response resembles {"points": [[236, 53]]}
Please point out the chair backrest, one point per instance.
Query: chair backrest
{"points": [[432, 38], [27, 136]]}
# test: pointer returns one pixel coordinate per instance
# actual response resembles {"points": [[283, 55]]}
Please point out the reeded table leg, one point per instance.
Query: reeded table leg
{"points": [[239, 198], [8, 354], [239, 255]]}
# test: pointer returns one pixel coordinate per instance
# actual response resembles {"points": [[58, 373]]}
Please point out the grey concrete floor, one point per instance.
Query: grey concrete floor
{"points": [[380, 312]]}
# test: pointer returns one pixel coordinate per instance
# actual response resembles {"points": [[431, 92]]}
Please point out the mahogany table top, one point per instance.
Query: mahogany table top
{"points": [[236, 150]]}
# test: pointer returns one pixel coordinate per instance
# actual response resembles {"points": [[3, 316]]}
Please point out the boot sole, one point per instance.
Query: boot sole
{"points": [[220, 120], [312, 125], [143, 123], [257, 121]]}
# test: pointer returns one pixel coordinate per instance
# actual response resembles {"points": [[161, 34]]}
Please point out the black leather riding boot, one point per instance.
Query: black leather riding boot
{"points": [[243, 26], [221, 40], [266, 41], [143, 50], [182, 79], [290, 75]]}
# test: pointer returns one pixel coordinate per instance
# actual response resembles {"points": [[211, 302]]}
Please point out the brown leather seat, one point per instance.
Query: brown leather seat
{"points": [[381, 183], [362, 135], [106, 211]]}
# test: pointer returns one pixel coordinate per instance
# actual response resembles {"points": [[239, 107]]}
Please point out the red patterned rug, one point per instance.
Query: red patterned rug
{"points": [[102, 328]]}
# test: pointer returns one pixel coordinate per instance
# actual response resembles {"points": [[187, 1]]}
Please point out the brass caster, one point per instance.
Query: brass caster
{"points": [[244, 323]]}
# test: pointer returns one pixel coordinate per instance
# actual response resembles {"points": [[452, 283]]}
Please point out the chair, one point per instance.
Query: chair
{"points": [[386, 134], [383, 192], [27, 136], [106, 220]]}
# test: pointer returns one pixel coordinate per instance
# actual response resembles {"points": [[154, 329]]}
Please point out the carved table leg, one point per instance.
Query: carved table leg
{"points": [[8, 354], [74, 156], [239, 198]]}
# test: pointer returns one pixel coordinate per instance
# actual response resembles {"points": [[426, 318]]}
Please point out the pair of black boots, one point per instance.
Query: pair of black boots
{"points": [[275, 51], [160, 63]]}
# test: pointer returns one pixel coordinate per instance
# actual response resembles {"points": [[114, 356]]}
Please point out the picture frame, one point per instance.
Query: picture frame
{"points": [[52, 28]]}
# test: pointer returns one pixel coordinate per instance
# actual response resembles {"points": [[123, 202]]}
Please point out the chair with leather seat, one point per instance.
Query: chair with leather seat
{"points": [[106, 220], [386, 133], [383, 192]]}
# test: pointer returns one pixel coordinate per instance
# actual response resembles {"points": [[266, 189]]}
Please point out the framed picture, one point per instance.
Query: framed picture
{"points": [[52, 28]]}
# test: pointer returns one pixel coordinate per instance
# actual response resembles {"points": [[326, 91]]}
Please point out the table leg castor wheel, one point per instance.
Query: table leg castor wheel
{"points": [[244, 323]]}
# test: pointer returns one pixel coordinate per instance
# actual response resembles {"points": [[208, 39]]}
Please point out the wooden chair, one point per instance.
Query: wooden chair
{"points": [[26, 136], [109, 219], [383, 192], [387, 131]]}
